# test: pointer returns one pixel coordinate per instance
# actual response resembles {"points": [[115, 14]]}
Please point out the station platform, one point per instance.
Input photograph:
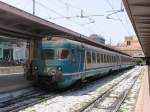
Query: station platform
{"points": [[12, 78], [143, 101]]}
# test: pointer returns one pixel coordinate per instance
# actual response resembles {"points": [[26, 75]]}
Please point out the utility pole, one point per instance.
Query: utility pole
{"points": [[82, 13], [33, 7]]}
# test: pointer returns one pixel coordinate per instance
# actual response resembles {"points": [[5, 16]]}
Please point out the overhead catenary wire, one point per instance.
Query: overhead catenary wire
{"points": [[75, 7], [61, 15], [91, 20], [111, 6]]}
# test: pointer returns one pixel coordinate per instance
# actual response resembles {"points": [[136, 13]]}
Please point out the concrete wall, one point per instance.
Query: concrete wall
{"points": [[12, 70]]}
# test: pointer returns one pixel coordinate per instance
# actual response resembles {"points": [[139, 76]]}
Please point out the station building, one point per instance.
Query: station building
{"points": [[131, 46], [12, 49]]}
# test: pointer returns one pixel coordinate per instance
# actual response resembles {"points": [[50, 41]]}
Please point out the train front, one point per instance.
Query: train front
{"points": [[54, 61]]}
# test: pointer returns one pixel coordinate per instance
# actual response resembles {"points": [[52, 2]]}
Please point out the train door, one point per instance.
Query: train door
{"points": [[118, 61], [78, 60], [81, 62], [74, 60]]}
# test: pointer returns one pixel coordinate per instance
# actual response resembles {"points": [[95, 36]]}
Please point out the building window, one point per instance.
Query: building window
{"points": [[128, 43]]}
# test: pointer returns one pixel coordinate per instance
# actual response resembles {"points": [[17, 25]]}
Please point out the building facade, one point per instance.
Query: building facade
{"points": [[131, 46], [12, 49]]}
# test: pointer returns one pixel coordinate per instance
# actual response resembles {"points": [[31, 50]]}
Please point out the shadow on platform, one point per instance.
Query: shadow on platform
{"points": [[10, 82]]}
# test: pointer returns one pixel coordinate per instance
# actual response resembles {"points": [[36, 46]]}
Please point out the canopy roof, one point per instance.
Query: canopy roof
{"points": [[139, 14], [17, 23]]}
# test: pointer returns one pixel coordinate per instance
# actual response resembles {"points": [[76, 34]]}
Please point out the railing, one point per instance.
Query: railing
{"points": [[6, 62]]}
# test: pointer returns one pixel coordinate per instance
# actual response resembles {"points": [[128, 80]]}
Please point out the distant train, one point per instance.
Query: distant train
{"points": [[63, 62]]}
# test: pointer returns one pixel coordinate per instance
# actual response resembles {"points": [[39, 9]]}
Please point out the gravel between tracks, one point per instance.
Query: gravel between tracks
{"points": [[129, 103]]}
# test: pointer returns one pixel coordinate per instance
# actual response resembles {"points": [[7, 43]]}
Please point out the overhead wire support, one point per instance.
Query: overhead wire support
{"points": [[81, 12], [62, 16], [33, 7]]}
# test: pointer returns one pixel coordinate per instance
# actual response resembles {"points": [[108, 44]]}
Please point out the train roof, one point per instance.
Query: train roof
{"points": [[61, 40]]}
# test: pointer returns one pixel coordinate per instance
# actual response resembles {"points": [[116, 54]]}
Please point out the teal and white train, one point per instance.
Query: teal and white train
{"points": [[63, 62]]}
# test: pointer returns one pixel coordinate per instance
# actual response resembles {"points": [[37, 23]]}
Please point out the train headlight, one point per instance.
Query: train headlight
{"points": [[59, 68], [53, 72], [35, 68]]}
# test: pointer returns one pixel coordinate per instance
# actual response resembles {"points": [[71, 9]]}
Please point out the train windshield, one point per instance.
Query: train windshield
{"points": [[48, 54], [55, 54]]}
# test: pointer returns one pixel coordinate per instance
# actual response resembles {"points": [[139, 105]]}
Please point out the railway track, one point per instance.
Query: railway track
{"points": [[35, 96], [25, 100], [110, 100]]}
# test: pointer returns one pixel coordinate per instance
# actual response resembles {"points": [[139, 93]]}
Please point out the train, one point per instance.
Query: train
{"points": [[63, 62]]}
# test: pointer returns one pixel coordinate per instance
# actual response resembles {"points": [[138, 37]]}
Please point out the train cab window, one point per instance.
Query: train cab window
{"points": [[98, 58], [115, 59], [88, 57], [48, 54], [64, 54], [93, 57]]}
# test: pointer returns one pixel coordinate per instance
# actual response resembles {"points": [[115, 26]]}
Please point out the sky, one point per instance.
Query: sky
{"points": [[113, 27]]}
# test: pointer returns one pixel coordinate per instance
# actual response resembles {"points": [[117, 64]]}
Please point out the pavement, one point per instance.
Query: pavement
{"points": [[12, 78], [11, 70], [143, 101]]}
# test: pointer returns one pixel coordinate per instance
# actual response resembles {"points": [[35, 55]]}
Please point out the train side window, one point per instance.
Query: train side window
{"points": [[98, 58], [107, 58], [93, 57], [102, 58], [88, 57], [115, 59], [110, 59]]}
